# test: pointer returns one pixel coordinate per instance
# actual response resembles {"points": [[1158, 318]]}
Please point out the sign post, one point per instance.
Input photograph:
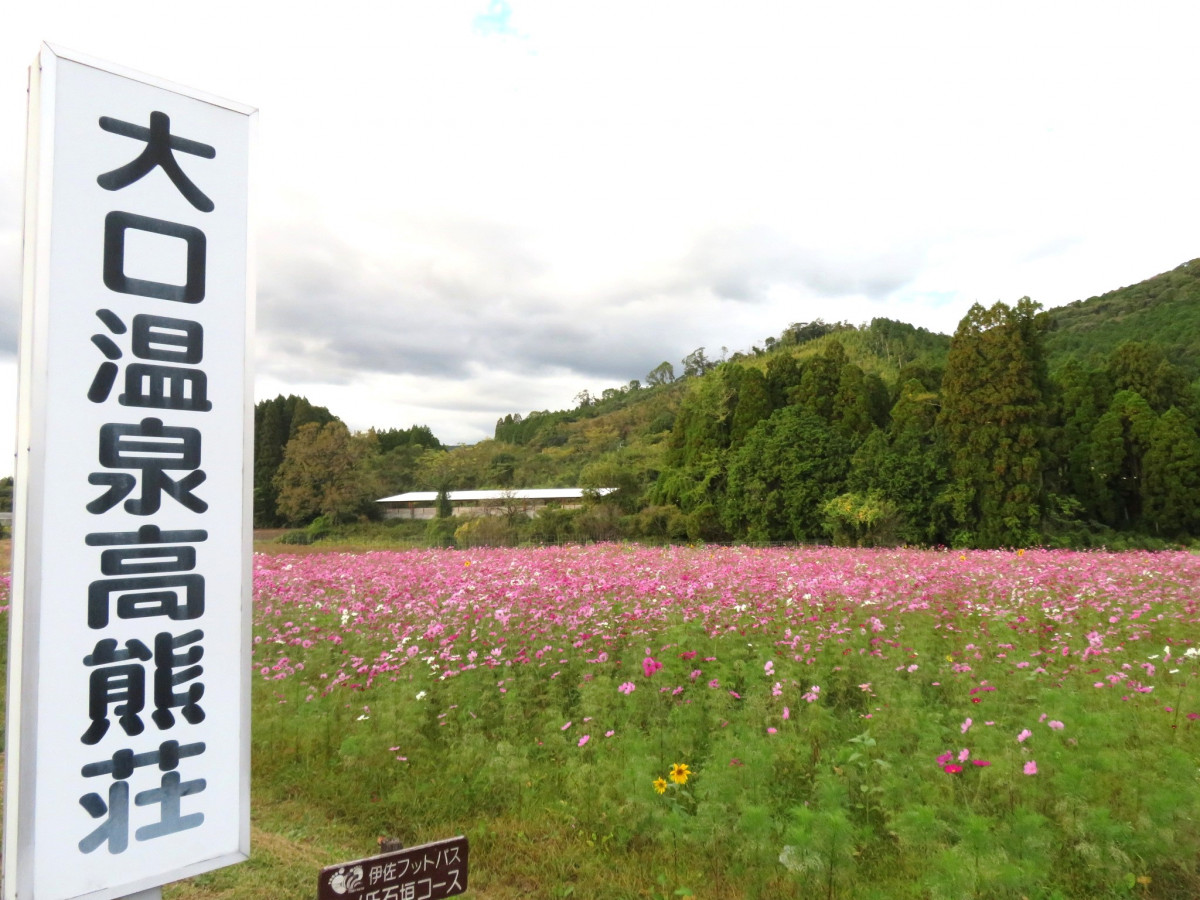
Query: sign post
{"points": [[128, 731]]}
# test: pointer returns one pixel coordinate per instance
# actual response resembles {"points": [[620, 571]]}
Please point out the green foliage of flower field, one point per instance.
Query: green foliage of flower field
{"points": [[612, 722]]}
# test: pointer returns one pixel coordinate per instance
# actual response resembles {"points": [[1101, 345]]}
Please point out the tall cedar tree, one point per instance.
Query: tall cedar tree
{"points": [[1172, 477], [1119, 442], [993, 423]]}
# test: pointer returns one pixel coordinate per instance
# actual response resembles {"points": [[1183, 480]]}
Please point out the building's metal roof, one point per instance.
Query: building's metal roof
{"points": [[520, 494]]}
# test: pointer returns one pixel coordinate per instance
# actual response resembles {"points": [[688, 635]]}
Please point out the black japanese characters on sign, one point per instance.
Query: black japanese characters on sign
{"points": [[428, 872], [145, 571], [157, 152], [158, 339]]}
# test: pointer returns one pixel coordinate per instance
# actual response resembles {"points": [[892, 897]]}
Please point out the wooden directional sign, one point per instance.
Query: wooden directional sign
{"points": [[428, 872]]}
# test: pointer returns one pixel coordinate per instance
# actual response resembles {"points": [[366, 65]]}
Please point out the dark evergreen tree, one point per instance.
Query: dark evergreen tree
{"points": [[851, 414], [1080, 397], [904, 466], [820, 381], [783, 376], [1171, 493], [1142, 367], [753, 403], [782, 475], [993, 422], [1119, 444]]}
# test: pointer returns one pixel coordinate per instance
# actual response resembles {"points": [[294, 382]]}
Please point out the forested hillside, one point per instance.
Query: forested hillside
{"points": [[1072, 427], [1163, 310]]}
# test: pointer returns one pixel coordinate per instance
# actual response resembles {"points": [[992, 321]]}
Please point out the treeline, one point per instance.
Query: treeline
{"points": [[307, 464], [991, 451], [876, 435]]}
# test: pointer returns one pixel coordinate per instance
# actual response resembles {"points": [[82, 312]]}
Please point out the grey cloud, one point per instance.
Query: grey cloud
{"points": [[744, 264], [478, 303], [464, 297]]}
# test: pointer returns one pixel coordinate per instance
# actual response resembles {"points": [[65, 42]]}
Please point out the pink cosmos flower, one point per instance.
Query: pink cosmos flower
{"points": [[583, 740], [1025, 734], [952, 769], [980, 762], [771, 731], [565, 727], [609, 733], [627, 688], [1056, 725], [945, 758], [963, 754], [787, 713], [650, 665], [966, 725], [1031, 767]]}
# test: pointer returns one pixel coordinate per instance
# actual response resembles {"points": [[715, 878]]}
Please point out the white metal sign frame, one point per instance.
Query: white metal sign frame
{"points": [[128, 741]]}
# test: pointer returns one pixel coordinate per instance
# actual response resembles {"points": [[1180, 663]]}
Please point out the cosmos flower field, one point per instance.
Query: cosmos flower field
{"points": [[621, 721]]}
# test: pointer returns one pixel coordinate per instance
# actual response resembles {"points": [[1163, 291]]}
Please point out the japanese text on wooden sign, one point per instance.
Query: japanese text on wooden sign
{"points": [[428, 872]]}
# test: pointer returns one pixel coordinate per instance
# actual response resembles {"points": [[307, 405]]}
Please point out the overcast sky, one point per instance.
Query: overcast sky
{"points": [[466, 209]]}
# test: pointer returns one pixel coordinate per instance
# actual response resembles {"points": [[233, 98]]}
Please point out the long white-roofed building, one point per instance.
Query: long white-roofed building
{"points": [[423, 504]]}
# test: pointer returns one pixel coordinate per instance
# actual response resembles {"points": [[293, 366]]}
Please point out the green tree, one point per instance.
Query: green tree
{"points": [[783, 377], [780, 478], [444, 509], [1119, 443], [993, 421], [821, 379], [1172, 477], [327, 471], [663, 373], [1144, 368], [752, 401], [702, 423], [906, 467], [1079, 397], [276, 422], [613, 472], [851, 414]]}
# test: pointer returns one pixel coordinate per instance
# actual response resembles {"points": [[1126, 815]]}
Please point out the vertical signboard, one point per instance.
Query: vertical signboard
{"points": [[128, 716]]}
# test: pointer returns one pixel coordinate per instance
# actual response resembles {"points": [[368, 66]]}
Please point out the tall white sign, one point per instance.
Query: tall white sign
{"points": [[128, 702]]}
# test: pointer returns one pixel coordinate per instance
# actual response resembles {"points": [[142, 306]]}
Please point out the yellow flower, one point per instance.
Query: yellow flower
{"points": [[660, 785], [1020, 553], [679, 773]]}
